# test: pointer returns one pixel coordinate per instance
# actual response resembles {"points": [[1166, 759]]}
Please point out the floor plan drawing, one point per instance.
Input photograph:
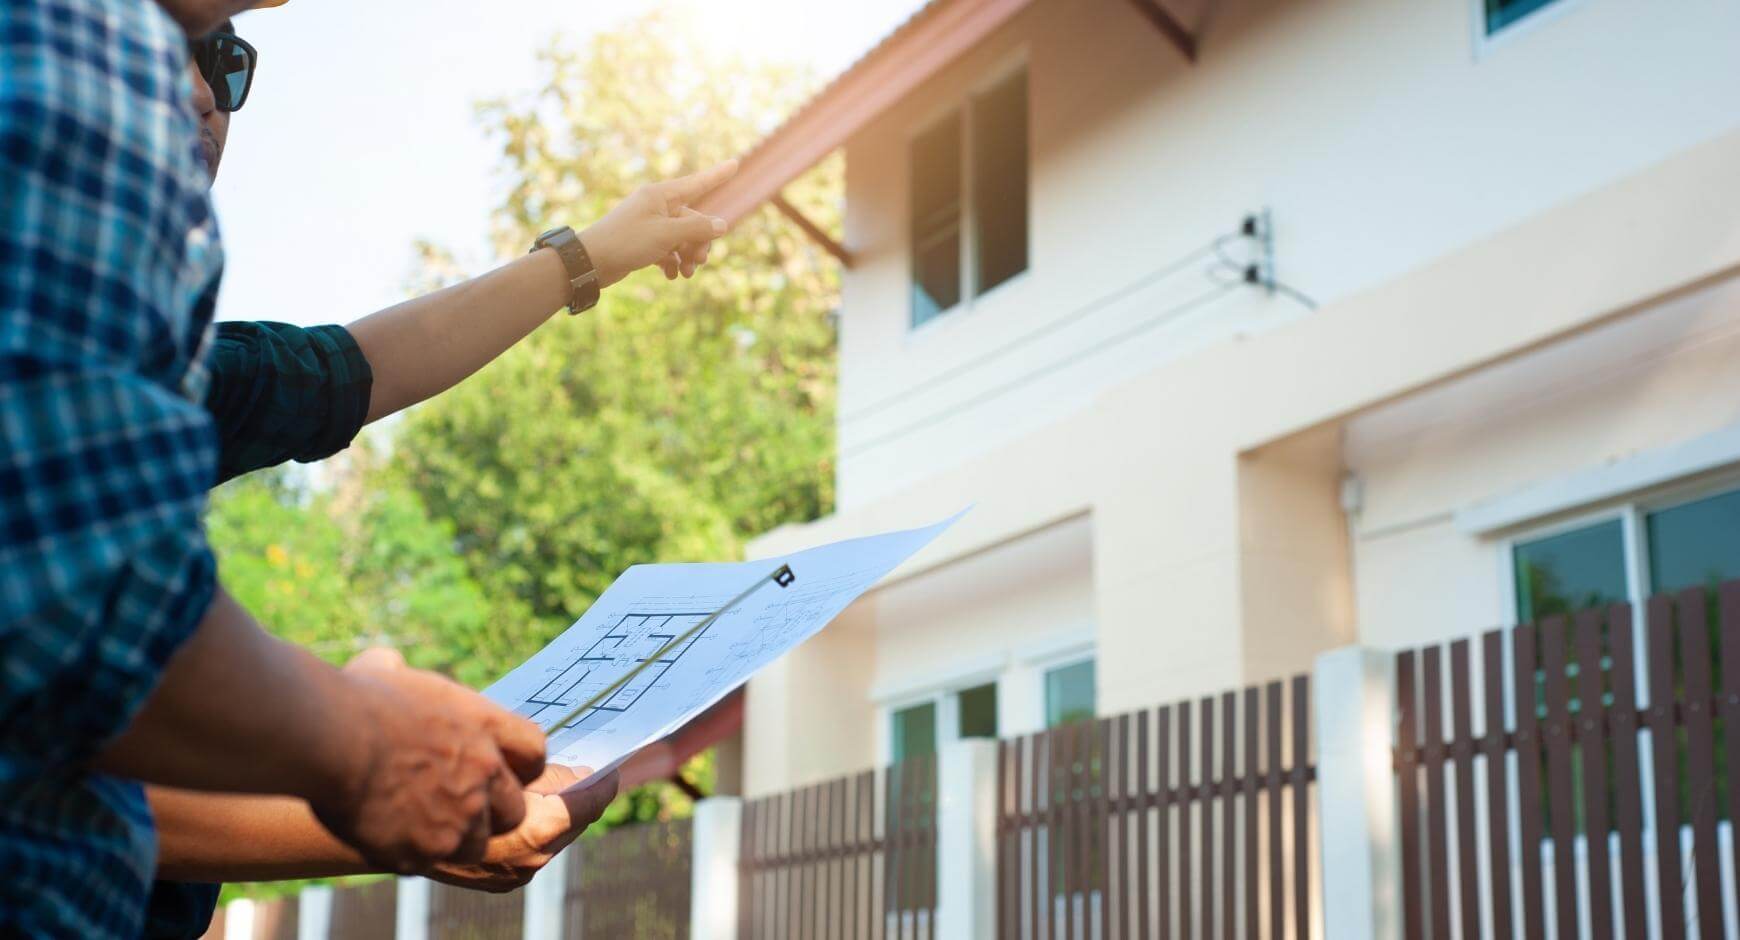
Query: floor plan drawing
{"points": [[699, 630], [629, 642]]}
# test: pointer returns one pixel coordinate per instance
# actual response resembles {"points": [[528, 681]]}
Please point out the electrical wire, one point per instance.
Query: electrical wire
{"points": [[1242, 274], [1161, 319], [1094, 306]]}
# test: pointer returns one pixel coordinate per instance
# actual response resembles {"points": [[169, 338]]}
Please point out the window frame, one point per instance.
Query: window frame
{"points": [[1632, 511], [959, 107], [1046, 669], [1485, 43], [1019, 676]]}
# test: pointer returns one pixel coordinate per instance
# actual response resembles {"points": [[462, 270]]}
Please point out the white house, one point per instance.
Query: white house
{"points": [[1495, 329]]}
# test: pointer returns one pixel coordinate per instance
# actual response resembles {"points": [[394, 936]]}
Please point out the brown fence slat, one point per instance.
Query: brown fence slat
{"points": [[1664, 745], [1701, 759], [1591, 724], [1006, 869], [1163, 820], [1277, 862], [1186, 922], [1162, 926], [1730, 708], [1144, 925], [1075, 907], [1112, 861], [1228, 814], [1407, 794], [1437, 828], [1528, 776], [1205, 804], [1628, 792], [1562, 815], [1497, 783], [1302, 807], [1042, 803], [1253, 916], [1462, 753]]}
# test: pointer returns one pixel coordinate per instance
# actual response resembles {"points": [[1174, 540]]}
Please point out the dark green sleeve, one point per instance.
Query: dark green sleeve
{"points": [[280, 392]]}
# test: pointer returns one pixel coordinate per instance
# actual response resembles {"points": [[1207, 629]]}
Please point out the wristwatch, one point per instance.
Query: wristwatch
{"points": [[582, 274]]}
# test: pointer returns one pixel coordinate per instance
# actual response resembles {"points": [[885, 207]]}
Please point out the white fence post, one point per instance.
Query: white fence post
{"points": [[411, 918], [546, 898], [1356, 804], [239, 920], [966, 840], [314, 913], [716, 844]]}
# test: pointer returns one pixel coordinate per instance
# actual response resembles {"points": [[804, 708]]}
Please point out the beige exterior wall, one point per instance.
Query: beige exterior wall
{"points": [[1456, 213], [1377, 132], [1666, 375]]}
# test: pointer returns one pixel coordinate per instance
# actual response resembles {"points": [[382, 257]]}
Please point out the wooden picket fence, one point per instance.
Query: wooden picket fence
{"points": [[459, 914], [849, 859], [631, 882], [364, 912], [1095, 823], [1563, 751]]}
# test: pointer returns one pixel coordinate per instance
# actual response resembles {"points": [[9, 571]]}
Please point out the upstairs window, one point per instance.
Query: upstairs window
{"points": [[1500, 14], [936, 220], [1000, 182], [969, 200]]}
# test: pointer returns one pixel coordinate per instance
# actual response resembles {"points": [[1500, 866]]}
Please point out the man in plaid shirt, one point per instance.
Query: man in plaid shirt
{"points": [[122, 658]]}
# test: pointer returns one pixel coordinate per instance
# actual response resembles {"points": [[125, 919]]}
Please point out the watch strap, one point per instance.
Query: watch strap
{"points": [[582, 274]]}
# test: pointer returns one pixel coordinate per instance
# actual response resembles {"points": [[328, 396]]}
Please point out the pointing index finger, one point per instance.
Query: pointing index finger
{"points": [[686, 189]]}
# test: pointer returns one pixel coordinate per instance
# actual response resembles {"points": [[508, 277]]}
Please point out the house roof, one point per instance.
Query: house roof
{"points": [[937, 34]]}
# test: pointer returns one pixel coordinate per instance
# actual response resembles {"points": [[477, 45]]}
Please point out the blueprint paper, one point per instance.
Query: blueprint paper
{"points": [[649, 606]]}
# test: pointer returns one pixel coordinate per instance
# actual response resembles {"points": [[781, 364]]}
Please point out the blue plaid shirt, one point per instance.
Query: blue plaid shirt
{"points": [[109, 260]]}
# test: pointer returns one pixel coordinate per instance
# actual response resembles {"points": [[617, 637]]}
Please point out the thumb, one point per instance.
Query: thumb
{"points": [[376, 658], [692, 228]]}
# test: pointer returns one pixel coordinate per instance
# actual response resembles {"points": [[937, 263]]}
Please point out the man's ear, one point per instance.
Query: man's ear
{"points": [[199, 17]]}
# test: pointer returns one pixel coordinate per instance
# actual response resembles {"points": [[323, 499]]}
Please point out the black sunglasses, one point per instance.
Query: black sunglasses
{"points": [[226, 61]]}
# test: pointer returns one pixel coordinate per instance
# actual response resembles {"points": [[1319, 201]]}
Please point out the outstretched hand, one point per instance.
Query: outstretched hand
{"points": [[656, 225], [559, 806]]}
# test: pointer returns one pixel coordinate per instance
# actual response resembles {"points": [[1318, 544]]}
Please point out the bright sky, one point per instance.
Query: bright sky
{"points": [[359, 135]]}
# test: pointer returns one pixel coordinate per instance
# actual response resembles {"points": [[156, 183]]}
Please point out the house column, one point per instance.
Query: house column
{"points": [[716, 844], [314, 913], [411, 916], [1356, 804], [545, 897], [966, 840]]}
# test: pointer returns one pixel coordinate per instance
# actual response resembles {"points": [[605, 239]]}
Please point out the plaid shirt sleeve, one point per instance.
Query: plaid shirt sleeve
{"points": [[109, 259], [280, 392]]}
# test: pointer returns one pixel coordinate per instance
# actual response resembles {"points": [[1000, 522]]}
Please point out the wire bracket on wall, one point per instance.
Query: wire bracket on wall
{"points": [[1260, 231], [1256, 268]]}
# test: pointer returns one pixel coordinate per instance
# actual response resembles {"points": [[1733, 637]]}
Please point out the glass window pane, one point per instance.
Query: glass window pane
{"points": [[1502, 13], [1000, 181], [1069, 694], [936, 219], [1695, 544], [915, 731], [1571, 571], [979, 712]]}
